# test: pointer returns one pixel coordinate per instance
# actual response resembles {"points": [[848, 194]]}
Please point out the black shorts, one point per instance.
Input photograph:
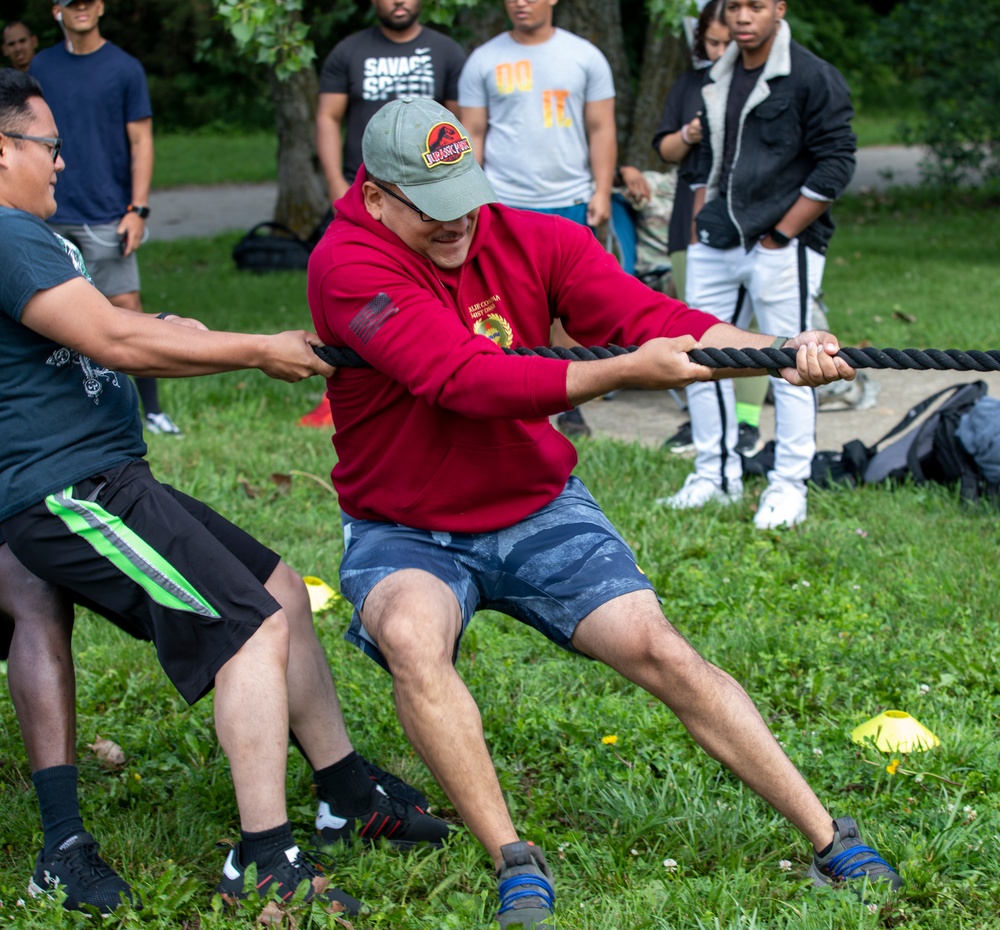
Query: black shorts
{"points": [[158, 563]]}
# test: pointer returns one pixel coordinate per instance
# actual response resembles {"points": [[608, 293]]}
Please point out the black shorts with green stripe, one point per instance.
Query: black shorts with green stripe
{"points": [[158, 563]]}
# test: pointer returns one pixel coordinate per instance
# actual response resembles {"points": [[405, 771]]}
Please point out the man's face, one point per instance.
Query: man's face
{"points": [[29, 172], [530, 15], [397, 15], [445, 244], [19, 45], [753, 23], [81, 15]]}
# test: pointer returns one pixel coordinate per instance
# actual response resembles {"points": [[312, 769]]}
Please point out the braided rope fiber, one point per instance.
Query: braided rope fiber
{"points": [[895, 359]]}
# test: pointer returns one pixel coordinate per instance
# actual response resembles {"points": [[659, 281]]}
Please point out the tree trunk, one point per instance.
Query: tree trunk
{"points": [[302, 200], [664, 58]]}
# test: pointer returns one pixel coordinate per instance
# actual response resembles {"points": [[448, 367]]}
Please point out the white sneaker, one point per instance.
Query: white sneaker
{"points": [[698, 491], [783, 503], [161, 423]]}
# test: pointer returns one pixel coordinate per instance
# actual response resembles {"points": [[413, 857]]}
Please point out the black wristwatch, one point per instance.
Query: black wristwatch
{"points": [[778, 236], [141, 212]]}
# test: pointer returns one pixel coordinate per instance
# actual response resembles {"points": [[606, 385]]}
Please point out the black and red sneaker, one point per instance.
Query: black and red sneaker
{"points": [[281, 878], [389, 817]]}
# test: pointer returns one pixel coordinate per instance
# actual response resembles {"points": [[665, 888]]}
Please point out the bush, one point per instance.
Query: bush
{"points": [[947, 51]]}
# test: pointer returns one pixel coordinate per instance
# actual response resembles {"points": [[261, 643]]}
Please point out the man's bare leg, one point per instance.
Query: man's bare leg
{"points": [[313, 707], [631, 635], [40, 666], [415, 620], [251, 721]]}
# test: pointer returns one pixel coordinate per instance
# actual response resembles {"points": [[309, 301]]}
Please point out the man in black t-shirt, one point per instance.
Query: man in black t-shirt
{"points": [[397, 58]]}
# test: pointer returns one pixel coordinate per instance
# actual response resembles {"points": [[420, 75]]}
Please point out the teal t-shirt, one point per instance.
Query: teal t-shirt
{"points": [[63, 417]]}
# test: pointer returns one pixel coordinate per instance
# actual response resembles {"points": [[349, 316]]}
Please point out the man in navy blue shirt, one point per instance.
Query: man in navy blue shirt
{"points": [[100, 101]]}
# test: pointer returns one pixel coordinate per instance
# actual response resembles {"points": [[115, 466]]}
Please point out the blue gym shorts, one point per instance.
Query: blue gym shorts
{"points": [[549, 571]]}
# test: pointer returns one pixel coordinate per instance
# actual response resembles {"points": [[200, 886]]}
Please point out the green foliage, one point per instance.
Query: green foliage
{"points": [[271, 34], [947, 50]]}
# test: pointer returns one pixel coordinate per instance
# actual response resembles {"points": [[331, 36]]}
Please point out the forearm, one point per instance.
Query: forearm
{"points": [[145, 346], [331, 157], [673, 147], [141, 149], [603, 158], [802, 214]]}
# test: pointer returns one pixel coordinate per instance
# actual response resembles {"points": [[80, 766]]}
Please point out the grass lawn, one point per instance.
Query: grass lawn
{"points": [[208, 157], [882, 600]]}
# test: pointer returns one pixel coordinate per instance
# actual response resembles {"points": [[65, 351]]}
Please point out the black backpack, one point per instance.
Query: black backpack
{"points": [[932, 450], [272, 247], [929, 451]]}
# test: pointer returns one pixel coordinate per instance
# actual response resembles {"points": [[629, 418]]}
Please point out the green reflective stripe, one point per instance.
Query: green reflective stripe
{"points": [[133, 556]]}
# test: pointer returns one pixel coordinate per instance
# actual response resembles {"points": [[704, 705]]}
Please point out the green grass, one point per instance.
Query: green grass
{"points": [[212, 157], [208, 157], [880, 125], [883, 599]]}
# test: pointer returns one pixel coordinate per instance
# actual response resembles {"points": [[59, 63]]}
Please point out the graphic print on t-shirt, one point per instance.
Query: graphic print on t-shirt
{"points": [[516, 77], [93, 375], [388, 77]]}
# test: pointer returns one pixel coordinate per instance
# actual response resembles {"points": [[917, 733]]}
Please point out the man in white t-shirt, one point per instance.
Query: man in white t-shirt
{"points": [[539, 106]]}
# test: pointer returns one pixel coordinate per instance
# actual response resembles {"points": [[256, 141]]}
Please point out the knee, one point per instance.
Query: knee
{"points": [[286, 586], [272, 637]]}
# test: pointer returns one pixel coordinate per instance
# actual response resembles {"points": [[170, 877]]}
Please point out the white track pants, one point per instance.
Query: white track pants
{"points": [[777, 287]]}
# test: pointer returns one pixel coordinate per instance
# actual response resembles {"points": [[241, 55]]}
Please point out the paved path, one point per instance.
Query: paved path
{"points": [[631, 415]]}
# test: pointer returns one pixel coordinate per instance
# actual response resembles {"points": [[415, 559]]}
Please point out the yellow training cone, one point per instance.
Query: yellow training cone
{"points": [[895, 731], [321, 595]]}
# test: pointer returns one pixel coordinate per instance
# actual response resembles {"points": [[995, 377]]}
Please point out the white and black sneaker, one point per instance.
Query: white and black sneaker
{"points": [[161, 423]]}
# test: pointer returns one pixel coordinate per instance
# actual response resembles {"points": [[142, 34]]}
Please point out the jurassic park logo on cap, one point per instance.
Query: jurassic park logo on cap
{"points": [[445, 145]]}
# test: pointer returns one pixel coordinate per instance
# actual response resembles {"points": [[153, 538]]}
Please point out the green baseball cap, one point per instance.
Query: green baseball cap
{"points": [[418, 145]]}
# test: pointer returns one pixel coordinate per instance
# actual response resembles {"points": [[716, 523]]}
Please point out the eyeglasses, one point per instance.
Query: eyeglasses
{"points": [[53, 142], [412, 206]]}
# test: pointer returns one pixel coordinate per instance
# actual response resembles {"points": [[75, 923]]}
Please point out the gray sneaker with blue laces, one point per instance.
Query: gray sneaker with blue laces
{"points": [[850, 861]]}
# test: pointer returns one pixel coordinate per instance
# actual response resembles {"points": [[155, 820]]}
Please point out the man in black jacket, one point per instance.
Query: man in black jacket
{"points": [[777, 151]]}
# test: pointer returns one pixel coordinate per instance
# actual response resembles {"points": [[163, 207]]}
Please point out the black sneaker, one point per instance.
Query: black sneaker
{"points": [[749, 442], [849, 860], [83, 876], [396, 787], [281, 878], [389, 818], [682, 442], [525, 886], [572, 424]]}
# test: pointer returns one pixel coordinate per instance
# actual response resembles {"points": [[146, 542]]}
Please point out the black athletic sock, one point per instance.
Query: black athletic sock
{"points": [[346, 785], [148, 394], [58, 802], [266, 846], [825, 851]]}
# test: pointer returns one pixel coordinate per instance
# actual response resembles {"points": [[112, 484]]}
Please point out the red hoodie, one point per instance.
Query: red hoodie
{"points": [[445, 431]]}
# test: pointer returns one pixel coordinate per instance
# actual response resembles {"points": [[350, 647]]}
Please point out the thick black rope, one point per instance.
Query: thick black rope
{"points": [[897, 359]]}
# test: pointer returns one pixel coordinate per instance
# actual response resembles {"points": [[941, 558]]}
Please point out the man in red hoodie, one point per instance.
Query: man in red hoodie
{"points": [[457, 493]]}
